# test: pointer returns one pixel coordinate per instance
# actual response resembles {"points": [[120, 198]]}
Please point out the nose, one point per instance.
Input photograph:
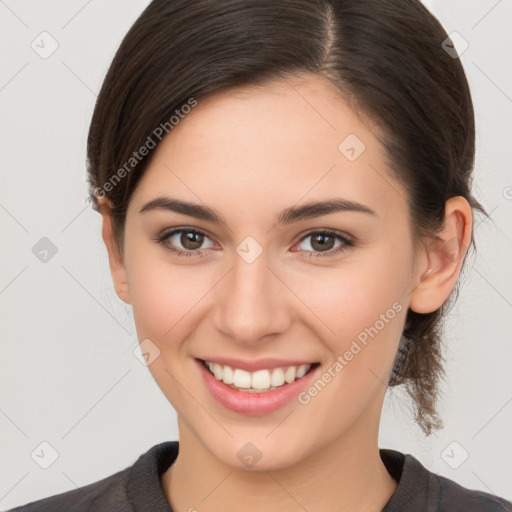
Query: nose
{"points": [[253, 304]]}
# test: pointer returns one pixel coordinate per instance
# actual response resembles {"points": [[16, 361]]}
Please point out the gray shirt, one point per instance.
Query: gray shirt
{"points": [[137, 488]]}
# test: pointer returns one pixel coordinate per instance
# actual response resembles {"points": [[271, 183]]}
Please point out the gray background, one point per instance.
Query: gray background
{"points": [[68, 373]]}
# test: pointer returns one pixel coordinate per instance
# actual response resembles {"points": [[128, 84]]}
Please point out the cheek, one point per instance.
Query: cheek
{"points": [[167, 308], [365, 309], [362, 307], [165, 297]]}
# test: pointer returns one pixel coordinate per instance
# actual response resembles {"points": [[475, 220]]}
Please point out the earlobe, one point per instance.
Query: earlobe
{"points": [[116, 263], [443, 258]]}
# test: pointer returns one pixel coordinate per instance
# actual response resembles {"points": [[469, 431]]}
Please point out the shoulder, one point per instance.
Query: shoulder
{"points": [[421, 489], [105, 494], [124, 491], [454, 497]]}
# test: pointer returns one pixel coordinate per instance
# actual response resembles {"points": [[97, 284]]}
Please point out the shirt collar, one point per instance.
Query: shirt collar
{"points": [[145, 492]]}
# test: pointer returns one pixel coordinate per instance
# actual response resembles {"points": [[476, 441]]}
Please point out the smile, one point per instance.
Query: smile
{"points": [[258, 381], [259, 392]]}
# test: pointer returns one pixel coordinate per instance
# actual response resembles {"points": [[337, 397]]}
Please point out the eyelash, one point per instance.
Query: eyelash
{"points": [[347, 243]]}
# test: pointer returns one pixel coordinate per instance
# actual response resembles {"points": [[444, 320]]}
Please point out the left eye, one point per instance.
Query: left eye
{"points": [[322, 242]]}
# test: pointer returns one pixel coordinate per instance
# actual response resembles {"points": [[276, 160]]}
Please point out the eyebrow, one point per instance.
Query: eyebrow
{"points": [[287, 216]]}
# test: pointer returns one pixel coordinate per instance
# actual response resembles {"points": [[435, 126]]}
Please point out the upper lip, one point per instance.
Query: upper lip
{"points": [[255, 365]]}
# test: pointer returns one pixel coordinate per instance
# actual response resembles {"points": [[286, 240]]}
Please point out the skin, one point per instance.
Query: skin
{"points": [[249, 153]]}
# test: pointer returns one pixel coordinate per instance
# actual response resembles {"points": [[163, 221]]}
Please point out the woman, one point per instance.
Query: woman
{"points": [[286, 205]]}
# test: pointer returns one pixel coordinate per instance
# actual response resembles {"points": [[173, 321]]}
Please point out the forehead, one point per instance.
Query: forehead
{"points": [[269, 146]]}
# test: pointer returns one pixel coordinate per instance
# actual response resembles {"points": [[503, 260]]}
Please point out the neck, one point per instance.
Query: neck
{"points": [[345, 474]]}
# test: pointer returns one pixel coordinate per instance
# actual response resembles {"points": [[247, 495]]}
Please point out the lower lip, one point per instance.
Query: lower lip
{"points": [[254, 404]]}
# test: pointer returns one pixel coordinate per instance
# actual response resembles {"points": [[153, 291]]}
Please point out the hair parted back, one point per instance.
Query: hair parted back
{"points": [[384, 56]]}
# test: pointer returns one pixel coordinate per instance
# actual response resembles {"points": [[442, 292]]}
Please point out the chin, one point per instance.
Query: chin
{"points": [[243, 453]]}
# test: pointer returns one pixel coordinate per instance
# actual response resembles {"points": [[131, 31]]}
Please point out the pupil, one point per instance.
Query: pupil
{"points": [[191, 240], [322, 245]]}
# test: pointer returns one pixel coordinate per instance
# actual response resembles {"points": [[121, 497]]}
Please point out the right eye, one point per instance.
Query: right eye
{"points": [[190, 240]]}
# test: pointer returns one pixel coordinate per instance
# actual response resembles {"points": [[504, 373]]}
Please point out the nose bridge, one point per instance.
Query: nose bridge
{"points": [[251, 305]]}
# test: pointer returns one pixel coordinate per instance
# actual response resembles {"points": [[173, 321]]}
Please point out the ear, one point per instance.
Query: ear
{"points": [[116, 263], [441, 262]]}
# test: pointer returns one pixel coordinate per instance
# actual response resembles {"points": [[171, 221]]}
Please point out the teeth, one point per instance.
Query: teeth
{"points": [[302, 370], [289, 374], [227, 375], [277, 378], [217, 371], [258, 380], [241, 378]]}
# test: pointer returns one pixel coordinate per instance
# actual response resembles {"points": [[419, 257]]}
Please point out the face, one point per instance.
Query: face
{"points": [[329, 287]]}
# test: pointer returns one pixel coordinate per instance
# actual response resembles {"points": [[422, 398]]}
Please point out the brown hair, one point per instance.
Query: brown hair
{"points": [[384, 56]]}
